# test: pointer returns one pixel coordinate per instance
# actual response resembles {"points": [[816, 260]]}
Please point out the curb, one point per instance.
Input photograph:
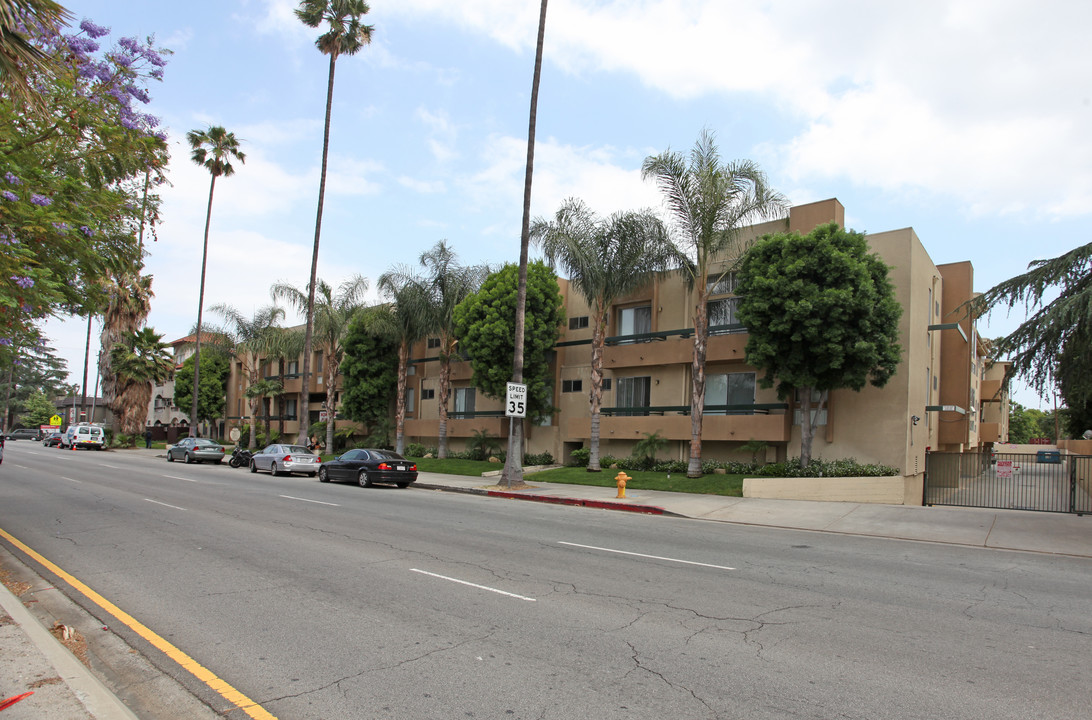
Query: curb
{"points": [[597, 504]]}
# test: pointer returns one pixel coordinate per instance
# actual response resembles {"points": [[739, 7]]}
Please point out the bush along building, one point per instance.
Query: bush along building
{"points": [[946, 394]]}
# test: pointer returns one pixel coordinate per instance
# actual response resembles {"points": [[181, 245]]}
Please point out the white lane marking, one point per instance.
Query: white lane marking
{"points": [[71, 479], [652, 557], [165, 504], [22, 467], [480, 587], [317, 502], [112, 467], [176, 477]]}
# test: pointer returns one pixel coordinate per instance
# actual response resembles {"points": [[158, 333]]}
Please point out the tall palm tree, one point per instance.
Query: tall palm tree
{"points": [[213, 149], [138, 359], [333, 313], [448, 284], [250, 338], [20, 58], [405, 319], [709, 203], [513, 463], [345, 35], [605, 260]]}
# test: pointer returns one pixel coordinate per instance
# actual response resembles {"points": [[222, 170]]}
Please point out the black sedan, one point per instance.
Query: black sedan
{"points": [[369, 467], [53, 439]]}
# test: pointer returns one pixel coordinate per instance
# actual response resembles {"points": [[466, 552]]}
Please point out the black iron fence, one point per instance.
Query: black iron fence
{"points": [[1047, 481]]}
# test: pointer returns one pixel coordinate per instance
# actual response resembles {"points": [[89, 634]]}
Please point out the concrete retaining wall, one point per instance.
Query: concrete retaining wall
{"points": [[880, 490]]}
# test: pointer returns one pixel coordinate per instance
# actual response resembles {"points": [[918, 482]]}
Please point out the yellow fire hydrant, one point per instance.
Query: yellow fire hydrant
{"points": [[621, 479]]}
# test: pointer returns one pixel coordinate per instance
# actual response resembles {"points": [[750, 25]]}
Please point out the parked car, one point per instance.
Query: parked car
{"points": [[25, 434], [53, 439], [368, 467], [83, 436], [276, 459], [191, 449]]}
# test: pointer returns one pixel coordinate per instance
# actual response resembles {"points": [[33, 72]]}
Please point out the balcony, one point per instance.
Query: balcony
{"points": [[991, 391], [669, 347], [740, 423], [989, 432], [461, 425]]}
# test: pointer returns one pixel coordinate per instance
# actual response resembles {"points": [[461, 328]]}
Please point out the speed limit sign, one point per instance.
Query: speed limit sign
{"points": [[515, 401]]}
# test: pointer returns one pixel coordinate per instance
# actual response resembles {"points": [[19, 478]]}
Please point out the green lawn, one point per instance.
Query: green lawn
{"points": [[731, 485]]}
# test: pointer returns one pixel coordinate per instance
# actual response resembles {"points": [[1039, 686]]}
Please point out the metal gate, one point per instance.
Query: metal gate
{"points": [[1048, 481]]}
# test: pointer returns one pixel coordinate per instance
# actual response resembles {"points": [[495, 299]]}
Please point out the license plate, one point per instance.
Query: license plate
{"points": [[400, 468]]}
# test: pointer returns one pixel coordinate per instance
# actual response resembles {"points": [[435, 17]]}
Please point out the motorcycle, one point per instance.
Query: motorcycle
{"points": [[240, 457]]}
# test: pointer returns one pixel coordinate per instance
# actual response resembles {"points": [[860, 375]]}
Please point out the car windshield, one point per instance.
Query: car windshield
{"points": [[297, 450]]}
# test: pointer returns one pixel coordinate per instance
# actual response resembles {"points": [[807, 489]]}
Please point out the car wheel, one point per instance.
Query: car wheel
{"points": [[363, 479], [253, 467], [187, 458], [170, 458], [403, 485], [323, 476], [273, 470]]}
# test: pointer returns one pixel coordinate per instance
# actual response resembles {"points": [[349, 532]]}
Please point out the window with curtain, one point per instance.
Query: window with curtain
{"points": [[635, 321], [633, 392], [464, 400], [729, 389]]}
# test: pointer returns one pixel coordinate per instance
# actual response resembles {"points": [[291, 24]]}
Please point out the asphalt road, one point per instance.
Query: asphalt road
{"points": [[335, 601]]}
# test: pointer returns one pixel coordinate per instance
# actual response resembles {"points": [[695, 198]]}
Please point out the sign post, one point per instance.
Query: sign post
{"points": [[515, 401]]}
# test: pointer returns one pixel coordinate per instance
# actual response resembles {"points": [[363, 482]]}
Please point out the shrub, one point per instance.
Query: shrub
{"points": [[415, 450], [581, 457], [483, 445], [538, 459], [847, 467]]}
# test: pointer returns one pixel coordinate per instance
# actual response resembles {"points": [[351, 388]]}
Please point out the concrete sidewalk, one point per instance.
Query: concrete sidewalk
{"points": [[1040, 532]]}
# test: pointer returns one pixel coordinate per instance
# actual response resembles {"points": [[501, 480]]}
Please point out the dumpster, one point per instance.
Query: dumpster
{"points": [[1049, 457]]}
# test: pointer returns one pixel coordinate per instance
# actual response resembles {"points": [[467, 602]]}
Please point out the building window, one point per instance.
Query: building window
{"points": [[464, 400], [721, 315], [318, 361], [606, 384], [289, 409], [568, 386], [428, 393], [578, 323], [409, 400], [432, 343], [292, 367], [634, 393], [634, 321], [721, 286], [820, 417], [729, 389]]}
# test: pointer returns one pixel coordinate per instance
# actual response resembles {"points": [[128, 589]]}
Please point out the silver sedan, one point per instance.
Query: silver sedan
{"points": [[276, 459], [192, 449]]}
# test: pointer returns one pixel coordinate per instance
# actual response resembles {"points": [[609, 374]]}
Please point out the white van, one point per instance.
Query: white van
{"points": [[83, 436]]}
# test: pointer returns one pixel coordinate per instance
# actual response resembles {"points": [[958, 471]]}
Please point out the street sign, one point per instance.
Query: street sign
{"points": [[515, 401], [1004, 468], [56, 420]]}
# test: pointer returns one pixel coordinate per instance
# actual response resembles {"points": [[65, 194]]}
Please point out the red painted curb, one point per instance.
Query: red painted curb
{"points": [[600, 504]]}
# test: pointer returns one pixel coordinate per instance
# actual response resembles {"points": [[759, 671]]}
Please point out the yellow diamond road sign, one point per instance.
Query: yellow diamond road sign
{"points": [[55, 420]]}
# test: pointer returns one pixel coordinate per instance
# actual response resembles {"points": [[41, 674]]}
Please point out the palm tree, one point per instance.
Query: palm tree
{"points": [[333, 313], [448, 283], [513, 463], [213, 149], [20, 58], [129, 300], [605, 259], [346, 36], [250, 339], [138, 359], [405, 319], [710, 203]]}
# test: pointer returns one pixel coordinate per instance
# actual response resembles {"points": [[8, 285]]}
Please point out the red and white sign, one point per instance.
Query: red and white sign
{"points": [[1004, 468]]}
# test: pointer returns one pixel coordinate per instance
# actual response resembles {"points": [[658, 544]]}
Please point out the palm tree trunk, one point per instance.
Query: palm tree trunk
{"points": [[599, 338], [308, 337], [400, 399], [697, 385], [332, 367], [200, 307], [445, 391], [513, 464]]}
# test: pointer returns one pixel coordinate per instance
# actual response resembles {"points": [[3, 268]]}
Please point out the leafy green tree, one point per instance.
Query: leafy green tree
{"points": [[212, 149], [37, 410], [405, 319], [333, 313], [605, 260], [72, 188], [370, 375], [248, 339], [709, 203], [345, 35], [215, 369], [1022, 425], [821, 315], [483, 326], [138, 359], [38, 370]]}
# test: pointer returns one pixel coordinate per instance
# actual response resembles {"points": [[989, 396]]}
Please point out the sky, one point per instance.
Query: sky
{"points": [[967, 120]]}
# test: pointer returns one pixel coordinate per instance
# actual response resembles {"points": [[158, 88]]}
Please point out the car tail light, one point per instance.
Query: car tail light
{"points": [[413, 467], [286, 458], [384, 466]]}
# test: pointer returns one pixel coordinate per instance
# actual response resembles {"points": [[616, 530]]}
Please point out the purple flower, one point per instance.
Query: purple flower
{"points": [[63, 227], [95, 31], [12, 179], [9, 195], [5, 341], [82, 45], [86, 230], [23, 282], [40, 200]]}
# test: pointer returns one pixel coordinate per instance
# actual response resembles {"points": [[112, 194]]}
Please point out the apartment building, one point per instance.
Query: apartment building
{"points": [[946, 395]]}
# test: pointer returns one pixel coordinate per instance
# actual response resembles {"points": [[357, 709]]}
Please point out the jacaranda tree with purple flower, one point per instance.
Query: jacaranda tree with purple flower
{"points": [[72, 181]]}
